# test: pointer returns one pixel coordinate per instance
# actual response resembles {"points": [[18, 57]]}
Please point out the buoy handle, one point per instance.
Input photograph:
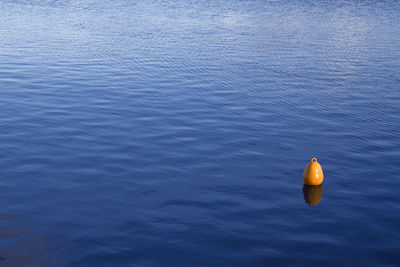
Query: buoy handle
{"points": [[314, 160]]}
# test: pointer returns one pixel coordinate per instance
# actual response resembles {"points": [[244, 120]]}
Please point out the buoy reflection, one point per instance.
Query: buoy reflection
{"points": [[312, 194]]}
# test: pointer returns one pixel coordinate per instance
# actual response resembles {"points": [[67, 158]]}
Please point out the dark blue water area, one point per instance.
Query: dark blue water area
{"points": [[175, 133]]}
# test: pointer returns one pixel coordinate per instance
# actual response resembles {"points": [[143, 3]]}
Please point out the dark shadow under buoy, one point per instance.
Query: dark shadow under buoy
{"points": [[312, 194]]}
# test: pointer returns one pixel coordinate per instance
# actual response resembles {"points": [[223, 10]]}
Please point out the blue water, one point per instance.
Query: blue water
{"points": [[171, 133]]}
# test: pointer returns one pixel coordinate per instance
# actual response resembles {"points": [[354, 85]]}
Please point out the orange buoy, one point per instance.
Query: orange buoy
{"points": [[313, 174]]}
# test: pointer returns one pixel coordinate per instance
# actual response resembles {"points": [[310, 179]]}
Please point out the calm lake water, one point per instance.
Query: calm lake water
{"points": [[170, 133]]}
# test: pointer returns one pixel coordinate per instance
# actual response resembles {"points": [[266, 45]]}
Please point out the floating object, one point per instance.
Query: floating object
{"points": [[313, 174], [312, 194]]}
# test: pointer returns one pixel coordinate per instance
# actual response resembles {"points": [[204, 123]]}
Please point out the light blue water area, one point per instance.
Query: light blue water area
{"points": [[175, 133]]}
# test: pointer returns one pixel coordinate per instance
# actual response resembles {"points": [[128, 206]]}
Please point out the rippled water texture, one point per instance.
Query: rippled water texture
{"points": [[170, 133]]}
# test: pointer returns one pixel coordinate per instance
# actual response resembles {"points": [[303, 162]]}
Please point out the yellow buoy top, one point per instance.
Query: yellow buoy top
{"points": [[313, 174]]}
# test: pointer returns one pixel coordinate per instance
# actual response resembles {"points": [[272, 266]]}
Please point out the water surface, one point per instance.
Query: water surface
{"points": [[171, 133]]}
